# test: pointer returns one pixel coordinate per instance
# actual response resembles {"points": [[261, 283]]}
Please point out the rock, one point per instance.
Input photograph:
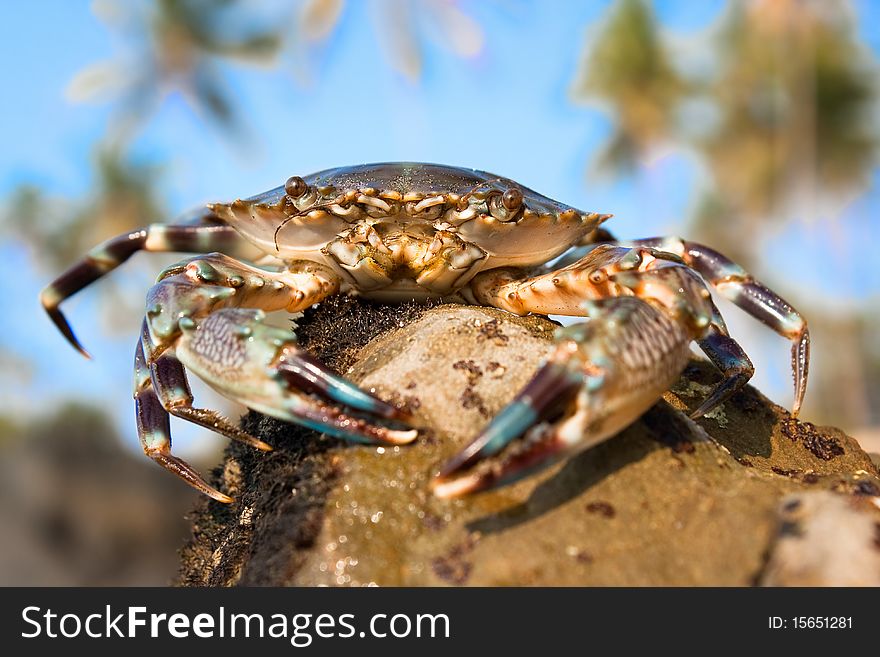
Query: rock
{"points": [[668, 501], [824, 539]]}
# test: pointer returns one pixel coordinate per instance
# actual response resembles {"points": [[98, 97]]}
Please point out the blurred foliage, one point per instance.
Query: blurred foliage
{"points": [[629, 67], [183, 46], [76, 509], [401, 26], [796, 100], [125, 195], [177, 45], [869, 347], [14, 366], [793, 91], [847, 393]]}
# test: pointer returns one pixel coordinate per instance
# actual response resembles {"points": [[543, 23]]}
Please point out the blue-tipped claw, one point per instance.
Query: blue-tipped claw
{"points": [[540, 448], [512, 422], [494, 457], [305, 372]]}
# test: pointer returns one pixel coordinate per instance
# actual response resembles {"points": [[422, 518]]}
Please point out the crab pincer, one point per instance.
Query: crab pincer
{"points": [[241, 357], [644, 307], [602, 376], [201, 317], [260, 365]]}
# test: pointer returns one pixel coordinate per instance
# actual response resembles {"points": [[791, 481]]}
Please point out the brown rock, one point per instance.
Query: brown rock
{"points": [[666, 502], [825, 539]]}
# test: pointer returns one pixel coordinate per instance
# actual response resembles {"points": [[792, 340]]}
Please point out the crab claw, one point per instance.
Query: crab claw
{"points": [[603, 375], [476, 467], [50, 304], [261, 367], [304, 372]]}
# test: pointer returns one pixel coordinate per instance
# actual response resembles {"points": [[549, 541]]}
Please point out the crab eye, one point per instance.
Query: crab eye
{"points": [[506, 206], [295, 187], [512, 199]]}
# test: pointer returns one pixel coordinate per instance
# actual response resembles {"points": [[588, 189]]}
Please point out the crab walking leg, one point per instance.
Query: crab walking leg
{"points": [[154, 430], [726, 354], [612, 270], [108, 256], [603, 375], [740, 287]]}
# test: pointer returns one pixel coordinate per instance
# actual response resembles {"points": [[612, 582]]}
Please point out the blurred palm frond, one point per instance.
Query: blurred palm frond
{"points": [[795, 97], [794, 91], [630, 68], [402, 27], [60, 230], [177, 45]]}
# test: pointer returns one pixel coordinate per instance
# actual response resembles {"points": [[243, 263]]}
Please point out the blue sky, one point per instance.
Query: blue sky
{"points": [[509, 111]]}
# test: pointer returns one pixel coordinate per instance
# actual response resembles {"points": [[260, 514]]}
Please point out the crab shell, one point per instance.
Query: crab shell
{"points": [[384, 225]]}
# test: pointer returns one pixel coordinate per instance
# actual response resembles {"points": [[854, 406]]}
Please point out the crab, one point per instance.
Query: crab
{"points": [[412, 231]]}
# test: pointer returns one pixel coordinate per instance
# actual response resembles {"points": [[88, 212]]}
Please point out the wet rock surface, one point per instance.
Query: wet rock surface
{"points": [[668, 501]]}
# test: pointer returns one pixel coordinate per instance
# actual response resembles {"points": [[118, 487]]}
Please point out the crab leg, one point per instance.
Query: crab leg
{"points": [[168, 378], [595, 275], [200, 236], [206, 315], [644, 309], [154, 430], [736, 368], [740, 287], [189, 292], [603, 375], [244, 359]]}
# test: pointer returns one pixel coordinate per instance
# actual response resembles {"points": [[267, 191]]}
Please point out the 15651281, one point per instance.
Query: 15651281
{"points": [[810, 623]]}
